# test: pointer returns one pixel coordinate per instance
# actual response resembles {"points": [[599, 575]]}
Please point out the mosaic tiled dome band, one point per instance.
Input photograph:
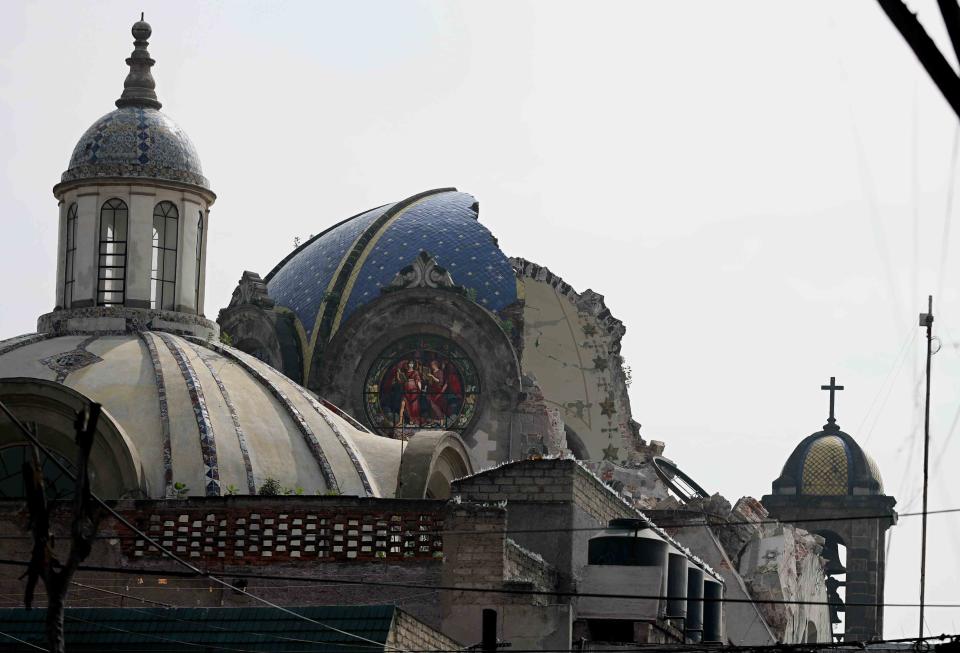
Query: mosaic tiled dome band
{"points": [[136, 142]]}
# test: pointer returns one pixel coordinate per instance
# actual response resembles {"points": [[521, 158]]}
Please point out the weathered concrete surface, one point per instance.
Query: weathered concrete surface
{"points": [[760, 561]]}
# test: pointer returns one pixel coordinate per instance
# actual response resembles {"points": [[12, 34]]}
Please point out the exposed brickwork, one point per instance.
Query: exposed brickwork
{"points": [[531, 480], [545, 480], [522, 566], [116, 548], [410, 634], [251, 532]]}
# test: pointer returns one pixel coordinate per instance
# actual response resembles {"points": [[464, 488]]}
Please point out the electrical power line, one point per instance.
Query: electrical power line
{"points": [[719, 523], [170, 554], [24, 642], [173, 573]]}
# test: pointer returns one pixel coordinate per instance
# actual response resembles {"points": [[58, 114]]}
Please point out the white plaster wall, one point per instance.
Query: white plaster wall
{"points": [[203, 261], [140, 246], [141, 199], [61, 252], [187, 260], [561, 347], [88, 208]]}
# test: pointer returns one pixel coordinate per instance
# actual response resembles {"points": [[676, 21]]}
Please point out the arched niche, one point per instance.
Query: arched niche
{"points": [[50, 409], [339, 369], [431, 461], [575, 444]]}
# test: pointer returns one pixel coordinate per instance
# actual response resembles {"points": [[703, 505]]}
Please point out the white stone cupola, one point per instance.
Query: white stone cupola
{"points": [[134, 206]]}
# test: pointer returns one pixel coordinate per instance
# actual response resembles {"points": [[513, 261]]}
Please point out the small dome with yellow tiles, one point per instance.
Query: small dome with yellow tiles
{"points": [[829, 463]]}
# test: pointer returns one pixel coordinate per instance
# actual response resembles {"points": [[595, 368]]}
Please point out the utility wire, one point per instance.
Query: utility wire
{"points": [[170, 554], [24, 642], [667, 647], [121, 594], [895, 372], [719, 523], [205, 646], [945, 239], [173, 573]]}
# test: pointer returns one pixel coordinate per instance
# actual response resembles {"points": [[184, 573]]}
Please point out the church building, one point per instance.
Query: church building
{"points": [[397, 401]]}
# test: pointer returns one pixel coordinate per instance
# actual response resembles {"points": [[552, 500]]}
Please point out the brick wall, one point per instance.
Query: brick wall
{"points": [[147, 578], [261, 531], [410, 634], [545, 480], [528, 480], [521, 565]]}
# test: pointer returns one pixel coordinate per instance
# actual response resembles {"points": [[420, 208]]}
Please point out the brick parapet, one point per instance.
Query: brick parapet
{"points": [[521, 565], [548, 481], [540, 480], [258, 531], [410, 634]]}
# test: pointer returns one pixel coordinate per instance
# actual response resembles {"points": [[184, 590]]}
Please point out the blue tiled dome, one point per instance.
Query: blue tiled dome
{"points": [[136, 141], [335, 273]]}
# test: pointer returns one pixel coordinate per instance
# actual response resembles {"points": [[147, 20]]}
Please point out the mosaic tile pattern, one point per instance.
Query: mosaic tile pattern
{"points": [[330, 535], [826, 467], [73, 360], [208, 440], [136, 142], [443, 224], [300, 283], [234, 417], [308, 435], [10, 344], [167, 446], [874, 470], [324, 413]]}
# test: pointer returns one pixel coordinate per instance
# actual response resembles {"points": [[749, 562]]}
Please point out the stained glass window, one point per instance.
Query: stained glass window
{"points": [[421, 382]]}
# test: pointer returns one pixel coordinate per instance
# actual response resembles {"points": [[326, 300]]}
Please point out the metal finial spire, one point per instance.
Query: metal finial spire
{"points": [[138, 87], [831, 424]]}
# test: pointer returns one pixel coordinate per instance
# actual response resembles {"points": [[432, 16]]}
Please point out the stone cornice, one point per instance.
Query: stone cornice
{"points": [[169, 184]]}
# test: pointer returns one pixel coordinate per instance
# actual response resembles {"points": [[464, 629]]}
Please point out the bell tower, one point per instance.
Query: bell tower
{"points": [[832, 487]]}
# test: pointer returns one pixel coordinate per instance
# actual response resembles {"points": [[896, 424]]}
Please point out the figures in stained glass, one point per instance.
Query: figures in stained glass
{"points": [[421, 382]]}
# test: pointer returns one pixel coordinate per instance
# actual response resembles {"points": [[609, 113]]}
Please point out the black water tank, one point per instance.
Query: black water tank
{"points": [[632, 550]]}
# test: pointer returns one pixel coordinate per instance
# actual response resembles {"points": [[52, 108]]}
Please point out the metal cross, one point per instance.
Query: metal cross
{"points": [[833, 387]]}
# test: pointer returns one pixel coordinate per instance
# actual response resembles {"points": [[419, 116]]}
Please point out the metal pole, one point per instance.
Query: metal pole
{"points": [[926, 319]]}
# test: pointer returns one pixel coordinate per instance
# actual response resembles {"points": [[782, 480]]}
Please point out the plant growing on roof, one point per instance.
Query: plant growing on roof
{"points": [[271, 488]]}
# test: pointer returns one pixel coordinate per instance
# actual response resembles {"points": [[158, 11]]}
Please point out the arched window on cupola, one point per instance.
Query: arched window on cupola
{"points": [[69, 255], [199, 261], [163, 277], [112, 265]]}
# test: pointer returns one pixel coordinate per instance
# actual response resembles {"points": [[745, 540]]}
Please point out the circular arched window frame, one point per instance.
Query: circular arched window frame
{"points": [[421, 382], [59, 485]]}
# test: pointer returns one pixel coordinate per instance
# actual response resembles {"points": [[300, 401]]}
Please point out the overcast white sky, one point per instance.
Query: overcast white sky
{"points": [[759, 189]]}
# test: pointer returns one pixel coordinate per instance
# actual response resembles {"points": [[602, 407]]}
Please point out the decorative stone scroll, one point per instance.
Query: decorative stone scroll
{"points": [[424, 272], [251, 291]]}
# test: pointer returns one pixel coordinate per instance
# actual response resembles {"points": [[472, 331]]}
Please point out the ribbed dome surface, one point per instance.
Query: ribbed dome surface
{"points": [[337, 272], [136, 142], [208, 416], [830, 463]]}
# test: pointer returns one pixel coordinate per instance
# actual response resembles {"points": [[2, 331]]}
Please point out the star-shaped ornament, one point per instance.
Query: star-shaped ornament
{"points": [[607, 408], [610, 453]]}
